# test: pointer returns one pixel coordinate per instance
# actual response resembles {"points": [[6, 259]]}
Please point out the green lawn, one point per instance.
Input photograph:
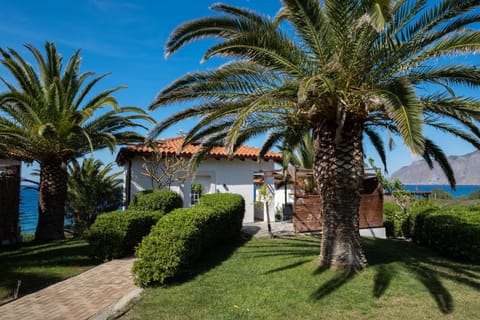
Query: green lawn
{"points": [[279, 279], [40, 265]]}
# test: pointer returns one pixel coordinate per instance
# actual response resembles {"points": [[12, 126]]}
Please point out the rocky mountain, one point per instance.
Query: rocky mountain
{"points": [[466, 169]]}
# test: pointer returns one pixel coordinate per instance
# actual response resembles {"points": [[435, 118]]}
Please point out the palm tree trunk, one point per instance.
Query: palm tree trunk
{"points": [[51, 201], [338, 172]]}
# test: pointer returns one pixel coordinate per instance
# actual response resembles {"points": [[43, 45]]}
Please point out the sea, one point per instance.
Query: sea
{"points": [[28, 210], [29, 202]]}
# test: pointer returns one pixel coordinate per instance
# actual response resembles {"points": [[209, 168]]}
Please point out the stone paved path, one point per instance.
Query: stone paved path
{"points": [[93, 294], [260, 229]]}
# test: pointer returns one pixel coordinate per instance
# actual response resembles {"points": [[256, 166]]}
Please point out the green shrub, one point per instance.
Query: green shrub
{"points": [[153, 200], [454, 232], [440, 194], [115, 234], [474, 195], [393, 219], [420, 206], [179, 238]]}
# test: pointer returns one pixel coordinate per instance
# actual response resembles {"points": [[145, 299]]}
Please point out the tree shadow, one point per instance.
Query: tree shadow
{"points": [[388, 257], [289, 266], [339, 279], [210, 259], [30, 282], [431, 281], [38, 266], [288, 247], [383, 278], [425, 265]]}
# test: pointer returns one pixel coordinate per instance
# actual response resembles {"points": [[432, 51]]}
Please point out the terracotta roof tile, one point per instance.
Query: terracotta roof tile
{"points": [[172, 146]]}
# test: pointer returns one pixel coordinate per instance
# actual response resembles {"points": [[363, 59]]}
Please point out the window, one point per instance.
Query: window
{"points": [[195, 193]]}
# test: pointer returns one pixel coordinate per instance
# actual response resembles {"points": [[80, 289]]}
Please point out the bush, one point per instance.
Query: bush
{"points": [[474, 195], [115, 234], [440, 194], [180, 238], [454, 232], [393, 218], [154, 200]]}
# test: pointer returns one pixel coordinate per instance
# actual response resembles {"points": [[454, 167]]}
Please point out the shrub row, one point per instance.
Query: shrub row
{"points": [[153, 200], [454, 232], [115, 234], [180, 238]]}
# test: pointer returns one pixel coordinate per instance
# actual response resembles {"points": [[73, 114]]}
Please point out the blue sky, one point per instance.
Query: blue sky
{"points": [[127, 39]]}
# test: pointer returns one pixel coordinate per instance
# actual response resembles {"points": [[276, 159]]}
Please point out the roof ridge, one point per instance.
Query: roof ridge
{"points": [[173, 145]]}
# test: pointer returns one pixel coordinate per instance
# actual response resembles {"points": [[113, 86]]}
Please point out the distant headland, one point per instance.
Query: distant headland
{"points": [[466, 169]]}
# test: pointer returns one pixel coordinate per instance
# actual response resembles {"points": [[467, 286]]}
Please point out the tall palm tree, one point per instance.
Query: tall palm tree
{"points": [[345, 69], [52, 117]]}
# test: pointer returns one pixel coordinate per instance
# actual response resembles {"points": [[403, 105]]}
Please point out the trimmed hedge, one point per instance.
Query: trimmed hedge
{"points": [[180, 238], [115, 234], [454, 232], [153, 200]]}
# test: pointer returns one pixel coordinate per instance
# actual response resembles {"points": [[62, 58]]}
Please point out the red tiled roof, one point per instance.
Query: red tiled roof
{"points": [[172, 146]]}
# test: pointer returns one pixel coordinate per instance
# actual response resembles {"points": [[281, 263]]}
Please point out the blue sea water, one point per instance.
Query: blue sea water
{"points": [[463, 190], [28, 210]]}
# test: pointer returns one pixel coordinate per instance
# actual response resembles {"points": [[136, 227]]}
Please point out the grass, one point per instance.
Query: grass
{"points": [[40, 265], [279, 279], [455, 202]]}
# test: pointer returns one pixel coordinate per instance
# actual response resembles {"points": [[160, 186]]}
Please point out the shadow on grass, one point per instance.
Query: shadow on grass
{"points": [[209, 260], [288, 266], [383, 277], [30, 282], [387, 258], [40, 265], [426, 267], [339, 279], [58, 254]]}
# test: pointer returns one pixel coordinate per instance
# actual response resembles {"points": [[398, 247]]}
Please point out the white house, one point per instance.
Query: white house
{"points": [[218, 172]]}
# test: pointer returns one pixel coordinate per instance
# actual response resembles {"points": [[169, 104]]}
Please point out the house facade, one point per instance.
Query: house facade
{"points": [[218, 172]]}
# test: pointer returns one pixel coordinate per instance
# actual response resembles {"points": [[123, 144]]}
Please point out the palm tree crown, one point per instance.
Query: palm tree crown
{"points": [[48, 116], [345, 69], [52, 117]]}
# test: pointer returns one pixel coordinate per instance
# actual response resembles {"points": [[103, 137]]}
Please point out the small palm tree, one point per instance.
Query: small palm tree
{"points": [[91, 191], [52, 117], [344, 69]]}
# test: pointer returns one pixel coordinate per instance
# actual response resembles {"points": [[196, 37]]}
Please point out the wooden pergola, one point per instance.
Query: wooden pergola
{"points": [[307, 215]]}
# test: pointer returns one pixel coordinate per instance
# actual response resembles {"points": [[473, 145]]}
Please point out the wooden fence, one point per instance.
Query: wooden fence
{"points": [[308, 214]]}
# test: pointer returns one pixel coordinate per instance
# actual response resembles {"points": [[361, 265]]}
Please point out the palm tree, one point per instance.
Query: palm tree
{"points": [[345, 69], [52, 118], [91, 191], [298, 151]]}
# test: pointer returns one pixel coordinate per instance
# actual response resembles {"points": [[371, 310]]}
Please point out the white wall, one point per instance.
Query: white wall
{"points": [[232, 176], [280, 197]]}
